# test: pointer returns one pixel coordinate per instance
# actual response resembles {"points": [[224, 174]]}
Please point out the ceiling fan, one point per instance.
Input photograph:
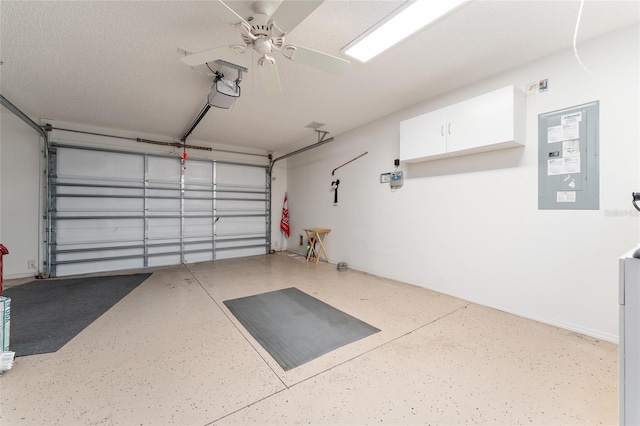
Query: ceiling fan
{"points": [[265, 33]]}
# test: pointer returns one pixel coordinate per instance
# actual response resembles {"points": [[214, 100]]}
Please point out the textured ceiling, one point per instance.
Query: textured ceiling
{"points": [[115, 64]]}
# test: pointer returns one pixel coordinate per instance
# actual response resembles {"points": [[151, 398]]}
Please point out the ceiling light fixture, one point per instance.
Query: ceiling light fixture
{"points": [[404, 21]]}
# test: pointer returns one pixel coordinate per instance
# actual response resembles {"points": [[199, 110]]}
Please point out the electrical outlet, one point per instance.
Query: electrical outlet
{"points": [[31, 264]]}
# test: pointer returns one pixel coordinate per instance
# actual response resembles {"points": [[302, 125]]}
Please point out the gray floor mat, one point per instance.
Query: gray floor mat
{"points": [[294, 327], [46, 314]]}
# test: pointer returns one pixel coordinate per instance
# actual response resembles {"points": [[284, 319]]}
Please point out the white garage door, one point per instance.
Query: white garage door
{"points": [[113, 210]]}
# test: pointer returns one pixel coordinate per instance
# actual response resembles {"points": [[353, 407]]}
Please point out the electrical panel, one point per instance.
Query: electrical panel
{"points": [[568, 170]]}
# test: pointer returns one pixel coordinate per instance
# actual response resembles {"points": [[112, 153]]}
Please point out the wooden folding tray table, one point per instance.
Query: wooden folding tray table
{"points": [[313, 235]]}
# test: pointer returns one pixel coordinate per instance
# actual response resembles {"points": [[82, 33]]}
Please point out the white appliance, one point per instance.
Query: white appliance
{"points": [[629, 349]]}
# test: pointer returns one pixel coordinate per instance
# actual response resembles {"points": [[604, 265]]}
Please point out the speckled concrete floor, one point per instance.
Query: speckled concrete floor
{"points": [[171, 353]]}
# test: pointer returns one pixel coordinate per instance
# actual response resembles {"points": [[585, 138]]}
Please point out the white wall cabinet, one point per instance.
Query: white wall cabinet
{"points": [[487, 122], [423, 136]]}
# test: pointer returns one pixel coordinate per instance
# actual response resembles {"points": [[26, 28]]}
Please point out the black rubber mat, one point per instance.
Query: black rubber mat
{"points": [[46, 314], [294, 327]]}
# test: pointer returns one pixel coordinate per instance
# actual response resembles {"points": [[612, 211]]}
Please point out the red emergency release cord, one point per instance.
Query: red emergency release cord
{"points": [[184, 155]]}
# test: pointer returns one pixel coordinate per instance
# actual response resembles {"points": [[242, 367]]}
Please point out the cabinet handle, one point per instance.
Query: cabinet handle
{"points": [[442, 130], [449, 129]]}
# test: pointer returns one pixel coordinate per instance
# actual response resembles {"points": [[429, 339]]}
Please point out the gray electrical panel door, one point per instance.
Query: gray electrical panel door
{"points": [[568, 159]]}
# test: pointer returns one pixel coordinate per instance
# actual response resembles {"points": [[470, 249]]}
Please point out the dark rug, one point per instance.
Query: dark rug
{"points": [[294, 327], [46, 314]]}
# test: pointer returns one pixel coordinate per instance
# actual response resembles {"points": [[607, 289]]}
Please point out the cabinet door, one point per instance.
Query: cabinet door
{"points": [[481, 121], [423, 136]]}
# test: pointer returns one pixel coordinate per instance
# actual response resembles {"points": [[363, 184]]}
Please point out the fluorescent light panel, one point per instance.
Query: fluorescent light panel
{"points": [[406, 20]]}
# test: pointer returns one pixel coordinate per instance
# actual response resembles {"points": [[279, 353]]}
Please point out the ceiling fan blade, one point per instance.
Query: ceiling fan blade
{"points": [[224, 53], [315, 59], [270, 78], [290, 13], [224, 12]]}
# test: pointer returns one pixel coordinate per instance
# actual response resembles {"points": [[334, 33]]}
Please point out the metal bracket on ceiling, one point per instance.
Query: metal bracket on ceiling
{"points": [[238, 68], [321, 135]]}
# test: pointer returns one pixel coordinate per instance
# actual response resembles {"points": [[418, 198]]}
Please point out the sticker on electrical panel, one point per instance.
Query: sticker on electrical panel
{"points": [[571, 148], [569, 181], [571, 118], [554, 134], [563, 166], [555, 166], [566, 196], [572, 164], [563, 132]]}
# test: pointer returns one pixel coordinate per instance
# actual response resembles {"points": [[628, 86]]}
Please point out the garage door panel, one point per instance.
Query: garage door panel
{"points": [[164, 170], [150, 211], [98, 189], [256, 195], [101, 254], [238, 177], [158, 247], [233, 206], [232, 226], [160, 205], [198, 205], [98, 266], [163, 190], [163, 228], [195, 227], [198, 173], [99, 205], [233, 243], [99, 166], [240, 252], [98, 231], [166, 260], [199, 252]]}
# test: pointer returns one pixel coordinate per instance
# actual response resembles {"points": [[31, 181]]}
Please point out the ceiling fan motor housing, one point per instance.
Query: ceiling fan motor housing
{"points": [[266, 35]]}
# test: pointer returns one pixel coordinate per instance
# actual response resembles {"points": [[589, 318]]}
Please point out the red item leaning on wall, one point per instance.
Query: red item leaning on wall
{"points": [[284, 222], [3, 251]]}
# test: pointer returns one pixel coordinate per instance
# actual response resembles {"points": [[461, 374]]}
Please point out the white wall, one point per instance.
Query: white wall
{"points": [[20, 191], [470, 226]]}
